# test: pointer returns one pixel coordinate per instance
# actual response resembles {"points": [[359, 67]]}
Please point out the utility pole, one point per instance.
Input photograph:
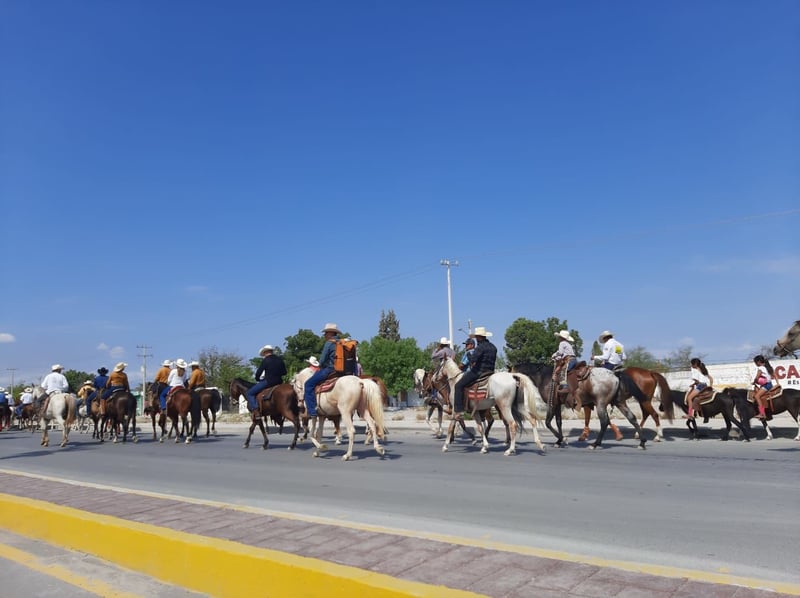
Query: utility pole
{"points": [[144, 355], [12, 370], [448, 263]]}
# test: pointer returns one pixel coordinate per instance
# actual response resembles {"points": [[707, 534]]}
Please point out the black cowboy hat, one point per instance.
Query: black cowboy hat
{"points": [[102, 371]]}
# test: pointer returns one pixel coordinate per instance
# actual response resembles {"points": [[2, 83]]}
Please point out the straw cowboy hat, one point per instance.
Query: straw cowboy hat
{"points": [[57, 367], [195, 364], [2, 388], [120, 366], [331, 327], [565, 335], [264, 349], [180, 363], [604, 335], [166, 363], [481, 331], [444, 341], [27, 389], [313, 361]]}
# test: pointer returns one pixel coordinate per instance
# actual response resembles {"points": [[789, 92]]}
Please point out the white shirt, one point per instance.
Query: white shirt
{"points": [[762, 371], [175, 379], [700, 377], [613, 352], [27, 398], [55, 382], [564, 350]]}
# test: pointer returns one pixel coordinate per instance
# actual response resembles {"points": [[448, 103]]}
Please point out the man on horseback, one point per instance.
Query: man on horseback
{"points": [[99, 384], [469, 348], [613, 354], [270, 373], [565, 361], [4, 408], [197, 379], [443, 351], [331, 333], [176, 379], [481, 362], [118, 380], [25, 399], [52, 383]]}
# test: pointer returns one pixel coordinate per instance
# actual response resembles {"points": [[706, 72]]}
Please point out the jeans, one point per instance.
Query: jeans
{"points": [[109, 391], [308, 392], [251, 394], [458, 400]]}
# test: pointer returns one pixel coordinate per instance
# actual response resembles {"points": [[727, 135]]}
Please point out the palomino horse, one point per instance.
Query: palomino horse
{"points": [[282, 403], [120, 411], [787, 400], [501, 393], [210, 400], [83, 393], [601, 387], [62, 409], [789, 343], [349, 395], [712, 403]]}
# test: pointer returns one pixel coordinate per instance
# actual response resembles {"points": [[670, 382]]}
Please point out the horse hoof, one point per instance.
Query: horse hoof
{"points": [[592, 447], [338, 442], [135, 439], [381, 451], [444, 449], [657, 439], [345, 457], [484, 450], [315, 453], [161, 440], [509, 452], [115, 441], [642, 447], [636, 436]]}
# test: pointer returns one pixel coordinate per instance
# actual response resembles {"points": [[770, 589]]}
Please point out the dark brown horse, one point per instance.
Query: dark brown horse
{"points": [[119, 411], [787, 401], [210, 400], [542, 377], [5, 416], [653, 386], [281, 402], [153, 410], [179, 403], [712, 403]]}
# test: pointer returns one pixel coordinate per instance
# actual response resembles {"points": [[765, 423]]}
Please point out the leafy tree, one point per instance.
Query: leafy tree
{"points": [[641, 358], [679, 358], [300, 347], [76, 378], [393, 361], [222, 366], [389, 326], [535, 342]]}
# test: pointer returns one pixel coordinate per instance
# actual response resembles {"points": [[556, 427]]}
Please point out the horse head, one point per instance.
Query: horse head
{"points": [[789, 343]]}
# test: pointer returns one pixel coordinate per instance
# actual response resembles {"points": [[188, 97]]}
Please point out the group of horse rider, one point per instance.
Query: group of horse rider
{"points": [[173, 375]]}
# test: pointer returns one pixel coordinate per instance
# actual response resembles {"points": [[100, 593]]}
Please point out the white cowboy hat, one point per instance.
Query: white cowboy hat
{"points": [[331, 327], [56, 367], [2, 389], [27, 389], [120, 366], [565, 335], [444, 341], [88, 382], [166, 363], [604, 335], [195, 363], [481, 331], [313, 361], [265, 348], [180, 363]]}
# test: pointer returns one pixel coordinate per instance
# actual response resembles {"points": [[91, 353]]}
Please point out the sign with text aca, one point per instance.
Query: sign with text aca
{"points": [[787, 371]]}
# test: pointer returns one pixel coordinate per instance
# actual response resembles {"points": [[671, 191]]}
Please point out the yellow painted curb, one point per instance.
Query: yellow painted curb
{"points": [[194, 562]]}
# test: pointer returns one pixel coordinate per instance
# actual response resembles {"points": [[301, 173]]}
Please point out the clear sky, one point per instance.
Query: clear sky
{"points": [[191, 174]]}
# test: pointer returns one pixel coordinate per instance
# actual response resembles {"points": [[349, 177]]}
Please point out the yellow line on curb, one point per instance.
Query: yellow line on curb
{"points": [[192, 561], [31, 561], [644, 568]]}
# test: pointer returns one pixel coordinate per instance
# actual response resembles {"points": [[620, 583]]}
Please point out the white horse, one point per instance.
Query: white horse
{"points": [[789, 343], [350, 395], [502, 392], [310, 424], [60, 408]]}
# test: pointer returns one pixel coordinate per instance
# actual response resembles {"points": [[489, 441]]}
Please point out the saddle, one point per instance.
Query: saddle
{"points": [[328, 383], [479, 390], [266, 394], [772, 394]]}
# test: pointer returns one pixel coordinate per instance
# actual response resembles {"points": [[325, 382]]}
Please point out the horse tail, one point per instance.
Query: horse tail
{"points": [[372, 394], [71, 409], [216, 400], [531, 398], [663, 390]]}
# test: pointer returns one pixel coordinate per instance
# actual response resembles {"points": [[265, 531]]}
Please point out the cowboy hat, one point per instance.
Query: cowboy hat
{"points": [[604, 335], [195, 364], [85, 382], [120, 366], [166, 363], [102, 371], [27, 389], [331, 327], [2, 389], [444, 341], [180, 363], [264, 349], [481, 331], [565, 335], [313, 361], [56, 367]]}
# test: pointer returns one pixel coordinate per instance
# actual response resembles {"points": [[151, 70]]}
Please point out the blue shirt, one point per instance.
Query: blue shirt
{"points": [[100, 381], [3, 398], [328, 353]]}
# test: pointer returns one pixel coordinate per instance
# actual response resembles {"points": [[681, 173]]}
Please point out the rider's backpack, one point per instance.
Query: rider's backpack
{"points": [[344, 359]]}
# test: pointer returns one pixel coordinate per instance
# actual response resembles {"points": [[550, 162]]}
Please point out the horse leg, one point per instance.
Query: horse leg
{"points": [[250, 431], [587, 413], [213, 423], [64, 432], [602, 415], [451, 432], [264, 427], [316, 437], [549, 423], [479, 421], [347, 416], [188, 429], [295, 419], [648, 409], [626, 411]]}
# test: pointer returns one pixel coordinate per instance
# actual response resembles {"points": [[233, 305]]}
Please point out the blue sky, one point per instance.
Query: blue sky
{"points": [[192, 174]]}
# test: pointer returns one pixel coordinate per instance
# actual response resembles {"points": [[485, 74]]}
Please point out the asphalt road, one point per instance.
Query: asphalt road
{"points": [[716, 506]]}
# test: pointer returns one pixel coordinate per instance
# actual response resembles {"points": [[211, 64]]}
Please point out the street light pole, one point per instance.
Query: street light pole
{"points": [[448, 264], [12, 370]]}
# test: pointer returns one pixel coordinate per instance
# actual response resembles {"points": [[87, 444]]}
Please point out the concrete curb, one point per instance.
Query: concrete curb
{"points": [[192, 561]]}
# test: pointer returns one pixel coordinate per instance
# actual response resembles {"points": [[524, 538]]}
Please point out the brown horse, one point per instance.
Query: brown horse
{"points": [[653, 386], [179, 403], [442, 388], [120, 412], [282, 403], [153, 410], [210, 400], [27, 417]]}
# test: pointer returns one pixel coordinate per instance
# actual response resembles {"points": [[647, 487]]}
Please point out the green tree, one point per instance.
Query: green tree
{"points": [[679, 358], [642, 358], [393, 361], [221, 367], [76, 378], [300, 347], [389, 326], [535, 342]]}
